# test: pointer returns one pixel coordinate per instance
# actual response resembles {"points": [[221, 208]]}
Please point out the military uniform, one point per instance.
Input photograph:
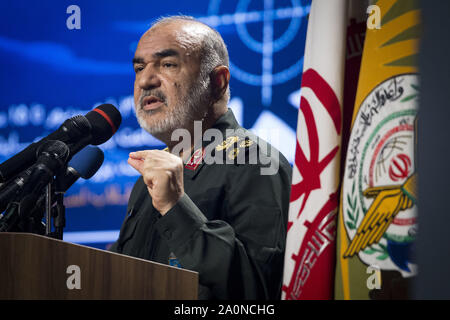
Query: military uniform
{"points": [[230, 225]]}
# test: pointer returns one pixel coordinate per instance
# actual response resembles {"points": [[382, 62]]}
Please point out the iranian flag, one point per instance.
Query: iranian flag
{"points": [[310, 249]]}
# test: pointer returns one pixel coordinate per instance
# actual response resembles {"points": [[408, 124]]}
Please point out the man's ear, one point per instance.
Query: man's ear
{"points": [[220, 78]]}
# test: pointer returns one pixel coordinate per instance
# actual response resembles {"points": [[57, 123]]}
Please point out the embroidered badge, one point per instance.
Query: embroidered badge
{"points": [[233, 154], [227, 143], [245, 144]]}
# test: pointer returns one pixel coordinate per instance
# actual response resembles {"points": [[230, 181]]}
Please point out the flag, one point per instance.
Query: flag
{"points": [[378, 214], [310, 248]]}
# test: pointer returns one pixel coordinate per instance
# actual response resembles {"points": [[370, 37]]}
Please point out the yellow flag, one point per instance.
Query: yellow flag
{"points": [[378, 211]]}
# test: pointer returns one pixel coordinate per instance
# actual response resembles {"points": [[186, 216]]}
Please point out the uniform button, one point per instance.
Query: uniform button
{"points": [[168, 234]]}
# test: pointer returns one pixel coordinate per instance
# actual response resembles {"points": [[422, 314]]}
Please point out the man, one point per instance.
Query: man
{"points": [[224, 219]]}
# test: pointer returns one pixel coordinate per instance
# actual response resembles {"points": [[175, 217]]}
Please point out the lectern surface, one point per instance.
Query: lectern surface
{"points": [[37, 267]]}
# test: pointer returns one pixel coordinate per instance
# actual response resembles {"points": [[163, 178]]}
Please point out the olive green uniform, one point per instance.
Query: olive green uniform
{"points": [[230, 226]]}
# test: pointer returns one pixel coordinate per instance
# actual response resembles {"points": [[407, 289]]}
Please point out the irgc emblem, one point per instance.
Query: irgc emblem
{"points": [[379, 193]]}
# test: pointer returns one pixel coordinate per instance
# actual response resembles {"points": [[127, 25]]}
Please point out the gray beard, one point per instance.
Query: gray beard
{"points": [[193, 106]]}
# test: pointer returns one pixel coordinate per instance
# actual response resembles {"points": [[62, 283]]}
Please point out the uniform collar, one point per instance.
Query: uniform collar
{"points": [[225, 121]]}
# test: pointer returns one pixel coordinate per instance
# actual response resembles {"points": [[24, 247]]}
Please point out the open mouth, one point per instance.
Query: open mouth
{"points": [[151, 103]]}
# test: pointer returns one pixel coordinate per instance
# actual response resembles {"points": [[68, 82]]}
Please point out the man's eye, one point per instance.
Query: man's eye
{"points": [[138, 69], [169, 65]]}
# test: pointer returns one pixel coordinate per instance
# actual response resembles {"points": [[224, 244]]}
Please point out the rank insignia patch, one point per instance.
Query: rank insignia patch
{"points": [[195, 159]]}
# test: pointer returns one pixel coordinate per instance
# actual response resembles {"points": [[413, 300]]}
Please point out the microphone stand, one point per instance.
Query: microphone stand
{"points": [[60, 215], [49, 206], [10, 217], [26, 214], [48, 209], [54, 208], [58, 211], [17, 216]]}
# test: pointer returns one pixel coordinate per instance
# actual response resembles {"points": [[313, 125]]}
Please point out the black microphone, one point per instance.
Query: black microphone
{"points": [[11, 189], [51, 157], [96, 127], [84, 164]]}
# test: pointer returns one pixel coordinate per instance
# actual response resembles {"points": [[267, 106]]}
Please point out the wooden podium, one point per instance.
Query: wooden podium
{"points": [[36, 267]]}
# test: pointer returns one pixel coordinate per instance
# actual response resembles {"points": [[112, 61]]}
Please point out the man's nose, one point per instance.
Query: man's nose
{"points": [[149, 78]]}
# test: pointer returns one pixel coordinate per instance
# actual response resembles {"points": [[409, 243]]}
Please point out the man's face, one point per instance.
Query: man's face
{"points": [[168, 90]]}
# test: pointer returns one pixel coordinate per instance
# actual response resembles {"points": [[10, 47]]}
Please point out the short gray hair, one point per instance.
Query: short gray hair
{"points": [[213, 51]]}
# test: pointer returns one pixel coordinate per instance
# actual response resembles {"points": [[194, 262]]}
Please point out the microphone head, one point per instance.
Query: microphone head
{"points": [[74, 128], [53, 154], [54, 149], [87, 161], [104, 120]]}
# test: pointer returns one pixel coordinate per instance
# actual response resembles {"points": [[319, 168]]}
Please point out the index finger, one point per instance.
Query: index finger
{"points": [[139, 154]]}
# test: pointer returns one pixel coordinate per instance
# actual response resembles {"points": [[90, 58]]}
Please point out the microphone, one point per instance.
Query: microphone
{"points": [[84, 164], [12, 189], [52, 156], [49, 150], [96, 127]]}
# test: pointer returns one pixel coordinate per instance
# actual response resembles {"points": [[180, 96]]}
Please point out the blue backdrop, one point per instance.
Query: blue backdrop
{"points": [[50, 73]]}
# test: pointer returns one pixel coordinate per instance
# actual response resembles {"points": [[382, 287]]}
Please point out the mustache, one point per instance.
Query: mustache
{"points": [[156, 93]]}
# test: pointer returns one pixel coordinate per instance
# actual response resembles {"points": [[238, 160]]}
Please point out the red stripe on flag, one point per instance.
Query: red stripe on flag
{"points": [[312, 79], [315, 260], [311, 170]]}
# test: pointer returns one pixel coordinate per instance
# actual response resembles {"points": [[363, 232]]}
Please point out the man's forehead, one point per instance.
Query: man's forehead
{"points": [[157, 39], [186, 35]]}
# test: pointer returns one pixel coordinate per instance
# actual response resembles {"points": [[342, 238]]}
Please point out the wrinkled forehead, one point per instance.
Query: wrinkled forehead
{"points": [[188, 36]]}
